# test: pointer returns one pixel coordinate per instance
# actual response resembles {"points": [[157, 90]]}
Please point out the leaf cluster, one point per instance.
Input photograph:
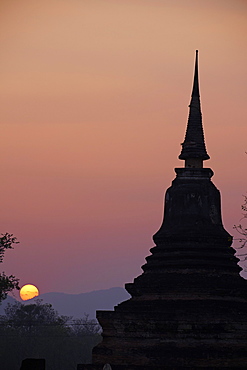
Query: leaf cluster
{"points": [[242, 230], [7, 283], [6, 242]]}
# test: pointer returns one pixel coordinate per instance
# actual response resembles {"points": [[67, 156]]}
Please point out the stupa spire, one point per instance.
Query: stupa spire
{"points": [[188, 308], [193, 148]]}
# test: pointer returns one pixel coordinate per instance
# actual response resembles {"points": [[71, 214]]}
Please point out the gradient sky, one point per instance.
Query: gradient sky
{"points": [[94, 101]]}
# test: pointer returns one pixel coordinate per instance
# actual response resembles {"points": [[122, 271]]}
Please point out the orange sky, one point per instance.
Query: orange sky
{"points": [[94, 102]]}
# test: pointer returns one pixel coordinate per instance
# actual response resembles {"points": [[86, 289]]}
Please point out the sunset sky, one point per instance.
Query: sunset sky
{"points": [[94, 101]]}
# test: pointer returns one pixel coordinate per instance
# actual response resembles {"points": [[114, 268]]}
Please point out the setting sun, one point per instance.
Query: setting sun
{"points": [[28, 291]]}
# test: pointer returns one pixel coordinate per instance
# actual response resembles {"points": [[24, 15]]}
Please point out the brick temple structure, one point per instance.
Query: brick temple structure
{"points": [[188, 308]]}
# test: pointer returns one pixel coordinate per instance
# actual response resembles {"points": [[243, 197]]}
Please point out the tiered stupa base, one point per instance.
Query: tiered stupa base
{"points": [[188, 308], [173, 331]]}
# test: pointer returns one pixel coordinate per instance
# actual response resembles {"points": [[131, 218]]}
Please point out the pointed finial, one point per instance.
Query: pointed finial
{"points": [[195, 90], [193, 148]]}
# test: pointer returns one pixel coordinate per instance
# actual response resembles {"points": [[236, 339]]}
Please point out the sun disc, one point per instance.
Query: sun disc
{"points": [[28, 291]]}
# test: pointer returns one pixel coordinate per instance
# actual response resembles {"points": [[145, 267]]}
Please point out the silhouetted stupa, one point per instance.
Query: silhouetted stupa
{"points": [[188, 307]]}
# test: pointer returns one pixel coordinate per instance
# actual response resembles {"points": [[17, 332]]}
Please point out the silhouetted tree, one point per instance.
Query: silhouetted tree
{"points": [[7, 283], [37, 330], [28, 318], [84, 335], [240, 228]]}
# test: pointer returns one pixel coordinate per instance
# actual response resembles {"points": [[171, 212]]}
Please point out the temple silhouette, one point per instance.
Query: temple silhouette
{"points": [[188, 307]]}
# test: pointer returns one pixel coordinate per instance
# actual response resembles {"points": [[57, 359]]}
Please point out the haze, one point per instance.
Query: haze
{"points": [[94, 103]]}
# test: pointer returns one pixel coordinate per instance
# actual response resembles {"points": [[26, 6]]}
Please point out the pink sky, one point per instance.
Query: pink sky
{"points": [[94, 103]]}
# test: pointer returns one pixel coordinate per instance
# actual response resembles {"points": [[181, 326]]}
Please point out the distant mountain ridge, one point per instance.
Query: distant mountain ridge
{"points": [[77, 304]]}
